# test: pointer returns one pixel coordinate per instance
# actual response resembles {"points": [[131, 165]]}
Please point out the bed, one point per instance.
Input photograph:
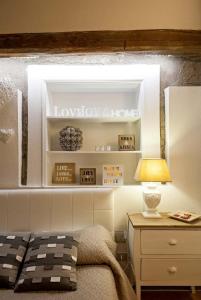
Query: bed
{"points": [[99, 275]]}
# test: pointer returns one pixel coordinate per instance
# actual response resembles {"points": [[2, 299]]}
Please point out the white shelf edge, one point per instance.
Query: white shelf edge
{"points": [[94, 119], [43, 187], [94, 152], [87, 186]]}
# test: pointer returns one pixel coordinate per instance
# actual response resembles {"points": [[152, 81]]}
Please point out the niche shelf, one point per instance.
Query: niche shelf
{"points": [[102, 110]]}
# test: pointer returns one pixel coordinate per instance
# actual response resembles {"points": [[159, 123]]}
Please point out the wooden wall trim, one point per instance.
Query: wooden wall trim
{"points": [[161, 41]]}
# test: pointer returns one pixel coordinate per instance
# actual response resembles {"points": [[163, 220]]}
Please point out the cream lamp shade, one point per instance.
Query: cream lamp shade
{"points": [[152, 170]]}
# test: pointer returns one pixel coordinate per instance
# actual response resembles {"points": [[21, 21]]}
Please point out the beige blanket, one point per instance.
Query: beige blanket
{"points": [[96, 247], [95, 282], [98, 272]]}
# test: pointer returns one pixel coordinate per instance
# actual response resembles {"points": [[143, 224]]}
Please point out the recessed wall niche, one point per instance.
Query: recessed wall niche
{"points": [[103, 102]]}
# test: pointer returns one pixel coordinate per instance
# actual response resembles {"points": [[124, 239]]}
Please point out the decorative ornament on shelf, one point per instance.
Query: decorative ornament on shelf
{"points": [[70, 138], [63, 173], [6, 134], [7, 90], [95, 112], [87, 176], [152, 171], [126, 142], [113, 175]]}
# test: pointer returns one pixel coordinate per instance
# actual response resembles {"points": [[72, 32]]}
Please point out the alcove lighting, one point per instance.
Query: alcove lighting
{"points": [[152, 171]]}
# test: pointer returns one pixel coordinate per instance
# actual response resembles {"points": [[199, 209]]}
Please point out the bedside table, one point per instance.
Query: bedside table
{"points": [[164, 252]]}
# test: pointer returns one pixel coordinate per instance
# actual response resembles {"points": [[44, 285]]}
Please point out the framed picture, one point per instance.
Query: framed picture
{"points": [[63, 173], [126, 142], [87, 176], [113, 174]]}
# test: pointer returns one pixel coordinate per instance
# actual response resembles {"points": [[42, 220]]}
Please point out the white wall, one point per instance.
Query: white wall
{"points": [[79, 15]]}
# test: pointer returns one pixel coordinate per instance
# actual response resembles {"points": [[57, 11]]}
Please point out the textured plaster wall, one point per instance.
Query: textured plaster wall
{"points": [[85, 15], [175, 71]]}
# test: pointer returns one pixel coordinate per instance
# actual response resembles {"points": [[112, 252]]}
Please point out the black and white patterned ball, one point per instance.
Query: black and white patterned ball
{"points": [[70, 138]]}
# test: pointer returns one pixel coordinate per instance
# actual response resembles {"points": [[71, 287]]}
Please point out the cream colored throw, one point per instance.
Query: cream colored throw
{"points": [[100, 276], [96, 247]]}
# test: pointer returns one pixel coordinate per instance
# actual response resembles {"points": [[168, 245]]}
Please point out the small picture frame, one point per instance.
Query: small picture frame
{"points": [[63, 173], [126, 142], [87, 176], [113, 175]]}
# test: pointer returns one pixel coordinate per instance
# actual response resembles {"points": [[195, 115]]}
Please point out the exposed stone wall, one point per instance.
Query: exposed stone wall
{"points": [[175, 71]]}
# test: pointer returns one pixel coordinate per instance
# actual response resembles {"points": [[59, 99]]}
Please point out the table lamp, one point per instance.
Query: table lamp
{"points": [[151, 171]]}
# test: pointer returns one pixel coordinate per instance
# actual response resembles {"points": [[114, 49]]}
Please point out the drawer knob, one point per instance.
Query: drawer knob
{"points": [[172, 270], [172, 242]]}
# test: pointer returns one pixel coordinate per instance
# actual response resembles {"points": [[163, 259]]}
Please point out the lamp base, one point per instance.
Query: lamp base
{"points": [[152, 199], [151, 215]]}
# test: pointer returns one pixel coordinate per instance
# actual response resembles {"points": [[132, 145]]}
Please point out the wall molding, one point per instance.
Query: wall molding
{"points": [[162, 41]]}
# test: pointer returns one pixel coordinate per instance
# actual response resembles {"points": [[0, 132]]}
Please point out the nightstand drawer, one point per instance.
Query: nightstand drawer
{"points": [[171, 269], [170, 241]]}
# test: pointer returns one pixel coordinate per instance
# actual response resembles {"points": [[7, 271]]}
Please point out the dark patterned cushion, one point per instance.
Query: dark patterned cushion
{"points": [[50, 263], [12, 250]]}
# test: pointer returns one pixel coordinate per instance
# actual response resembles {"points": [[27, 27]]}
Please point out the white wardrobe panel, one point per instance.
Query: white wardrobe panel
{"points": [[183, 137]]}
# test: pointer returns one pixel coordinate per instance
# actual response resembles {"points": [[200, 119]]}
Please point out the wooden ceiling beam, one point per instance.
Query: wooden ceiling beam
{"points": [[149, 41]]}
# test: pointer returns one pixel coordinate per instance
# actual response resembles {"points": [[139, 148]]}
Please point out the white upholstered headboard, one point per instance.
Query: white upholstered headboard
{"points": [[55, 209]]}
